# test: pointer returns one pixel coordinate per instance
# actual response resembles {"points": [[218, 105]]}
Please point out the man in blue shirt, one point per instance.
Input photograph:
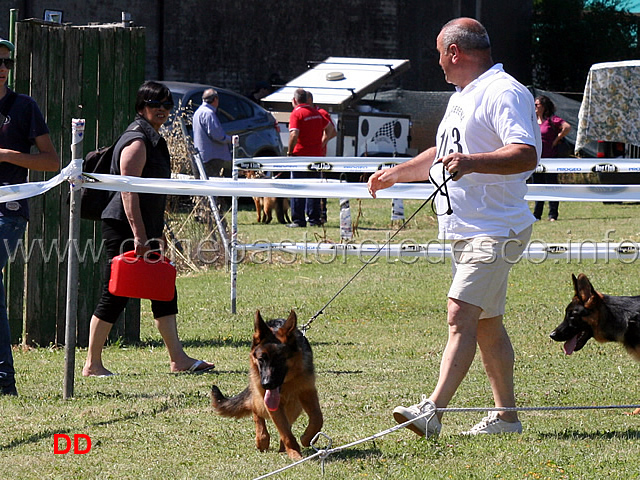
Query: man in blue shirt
{"points": [[209, 137]]}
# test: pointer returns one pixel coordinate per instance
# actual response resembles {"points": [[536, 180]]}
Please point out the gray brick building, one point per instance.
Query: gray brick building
{"points": [[235, 43]]}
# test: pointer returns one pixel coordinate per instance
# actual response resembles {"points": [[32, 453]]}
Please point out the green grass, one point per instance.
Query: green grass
{"points": [[378, 345]]}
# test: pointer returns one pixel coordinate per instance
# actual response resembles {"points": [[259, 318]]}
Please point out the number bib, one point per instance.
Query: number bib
{"points": [[451, 132]]}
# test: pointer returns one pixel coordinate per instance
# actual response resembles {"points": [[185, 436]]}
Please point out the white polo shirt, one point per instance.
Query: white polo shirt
{"points": [[493, 111]]}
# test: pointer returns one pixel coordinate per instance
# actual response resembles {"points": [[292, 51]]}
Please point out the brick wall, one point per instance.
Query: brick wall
{"points": [[235, 43]]}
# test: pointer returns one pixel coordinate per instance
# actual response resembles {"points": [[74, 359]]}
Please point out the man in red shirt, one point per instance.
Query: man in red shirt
{"points": [[329, 133], [306, 128]]}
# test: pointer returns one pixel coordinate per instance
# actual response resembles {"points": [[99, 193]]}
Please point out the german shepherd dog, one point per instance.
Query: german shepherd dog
{"points": [[606, 318], [266, 205], [281, 385]]}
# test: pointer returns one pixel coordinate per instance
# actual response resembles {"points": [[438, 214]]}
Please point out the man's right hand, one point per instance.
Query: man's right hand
{"points": [[380, 180]]}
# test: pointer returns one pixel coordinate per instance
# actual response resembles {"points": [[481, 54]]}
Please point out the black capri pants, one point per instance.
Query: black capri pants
{"points": [[118, 238]]}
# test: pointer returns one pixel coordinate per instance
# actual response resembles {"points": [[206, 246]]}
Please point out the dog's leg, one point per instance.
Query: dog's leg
{"points": [[257, 201], [262, 435], [282, 210], [311, 405], [268, 208], [287, 440]]}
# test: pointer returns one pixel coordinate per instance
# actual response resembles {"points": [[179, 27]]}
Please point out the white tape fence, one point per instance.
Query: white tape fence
{"points": [[627, 252]]}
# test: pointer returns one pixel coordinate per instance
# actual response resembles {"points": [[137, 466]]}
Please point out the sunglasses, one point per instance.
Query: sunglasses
{"points": [[167, 105], [8, 62]]}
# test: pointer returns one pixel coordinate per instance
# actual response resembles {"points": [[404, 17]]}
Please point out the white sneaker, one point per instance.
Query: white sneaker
{"points": [[492, 424], [428, 424]]}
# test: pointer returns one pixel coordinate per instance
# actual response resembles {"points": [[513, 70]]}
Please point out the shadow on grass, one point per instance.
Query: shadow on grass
{"points": [[232, 343], [629, 434], [342, 372], [199, 343], [35, 438], [352, 454], [132, 416], [48, 434]]}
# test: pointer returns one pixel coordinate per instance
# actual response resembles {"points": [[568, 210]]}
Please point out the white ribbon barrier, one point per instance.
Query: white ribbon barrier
{"points": [[303, 188], [536, 251], [318, 164], [371, 164], [589, 165], [332, 189], [583, 193], [309, 188], [18, 191]]}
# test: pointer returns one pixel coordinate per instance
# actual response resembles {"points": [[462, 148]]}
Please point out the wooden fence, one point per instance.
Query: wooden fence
{"points": [[90, 72]]}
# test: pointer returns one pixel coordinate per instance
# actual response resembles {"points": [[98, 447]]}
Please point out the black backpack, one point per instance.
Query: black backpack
{"points": [[95, 201]]}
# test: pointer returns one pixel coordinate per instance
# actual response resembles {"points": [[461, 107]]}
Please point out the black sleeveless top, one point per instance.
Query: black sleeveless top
{"points": [[158, 165]]}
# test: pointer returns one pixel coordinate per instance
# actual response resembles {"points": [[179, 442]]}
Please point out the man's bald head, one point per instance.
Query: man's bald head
{"points": [[467, 33]]}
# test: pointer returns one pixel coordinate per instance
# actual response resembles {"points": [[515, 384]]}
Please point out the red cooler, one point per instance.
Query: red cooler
{"points": [[152, 277]]}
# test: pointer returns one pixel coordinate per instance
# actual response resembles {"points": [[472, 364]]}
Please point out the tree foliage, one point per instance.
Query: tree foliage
{"points": [[571, 35]]}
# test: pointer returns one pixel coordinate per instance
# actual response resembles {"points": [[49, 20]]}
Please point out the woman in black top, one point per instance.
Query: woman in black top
{"points": [[135, 221]]}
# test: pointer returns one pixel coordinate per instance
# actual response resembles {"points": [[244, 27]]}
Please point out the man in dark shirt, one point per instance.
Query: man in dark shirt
{"points": [[22, 127]]}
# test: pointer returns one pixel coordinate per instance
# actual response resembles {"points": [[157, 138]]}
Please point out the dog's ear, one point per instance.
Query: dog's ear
{"points": [[289, 326], [261, 329], [584, 290], [575, 284]]}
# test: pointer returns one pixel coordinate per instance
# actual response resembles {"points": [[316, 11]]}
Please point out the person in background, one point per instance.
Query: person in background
{"points": [[22, 126], [329, 133], [489, 142], [306, 130], [135, 221], [209, 137], [552, 129], [261, 90]]}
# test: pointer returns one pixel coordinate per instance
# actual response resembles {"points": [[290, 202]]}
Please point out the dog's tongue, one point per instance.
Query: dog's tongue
{"points": [[272, 399], [570, 345]]}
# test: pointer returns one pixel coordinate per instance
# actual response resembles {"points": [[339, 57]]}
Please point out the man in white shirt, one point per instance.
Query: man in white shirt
{"points": [[489, 141]]}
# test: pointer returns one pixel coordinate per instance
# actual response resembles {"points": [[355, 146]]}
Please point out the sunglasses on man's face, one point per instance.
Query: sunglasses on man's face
{"points": [[167, 105], [8, 62]]}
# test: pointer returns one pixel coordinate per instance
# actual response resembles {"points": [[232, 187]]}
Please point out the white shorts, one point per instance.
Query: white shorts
{"points": [[481, 268]]}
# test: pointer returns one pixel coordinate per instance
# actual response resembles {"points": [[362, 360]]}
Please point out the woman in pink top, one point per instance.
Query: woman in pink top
{"points": [[552, 129]]}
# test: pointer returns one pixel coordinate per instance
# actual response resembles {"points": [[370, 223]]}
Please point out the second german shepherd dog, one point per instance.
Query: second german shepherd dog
{"points": [[266, 205], [607, 318], [281, 385]]}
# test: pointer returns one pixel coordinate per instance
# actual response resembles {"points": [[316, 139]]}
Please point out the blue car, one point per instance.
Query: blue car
{"points": [[257, 128]]}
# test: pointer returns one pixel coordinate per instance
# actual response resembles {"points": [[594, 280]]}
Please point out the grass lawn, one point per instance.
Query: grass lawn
{"points": [[378, 345]]}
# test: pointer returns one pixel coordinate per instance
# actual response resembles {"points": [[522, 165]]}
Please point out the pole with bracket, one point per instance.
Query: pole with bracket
{"points": [[75, 179]]}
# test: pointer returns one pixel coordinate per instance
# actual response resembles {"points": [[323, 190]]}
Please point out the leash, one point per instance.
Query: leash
{"points": [[441, 188], [324, 452]]}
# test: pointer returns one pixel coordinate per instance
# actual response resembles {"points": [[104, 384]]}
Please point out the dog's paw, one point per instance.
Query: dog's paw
{"points": [[294, 455], [306, 439]]}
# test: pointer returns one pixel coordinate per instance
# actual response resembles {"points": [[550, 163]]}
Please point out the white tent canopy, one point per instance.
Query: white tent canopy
{"points": [[338, 82]]}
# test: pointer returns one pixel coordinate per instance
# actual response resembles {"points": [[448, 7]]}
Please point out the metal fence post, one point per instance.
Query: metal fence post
{"points": [[234, 230], [77, 127]]}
